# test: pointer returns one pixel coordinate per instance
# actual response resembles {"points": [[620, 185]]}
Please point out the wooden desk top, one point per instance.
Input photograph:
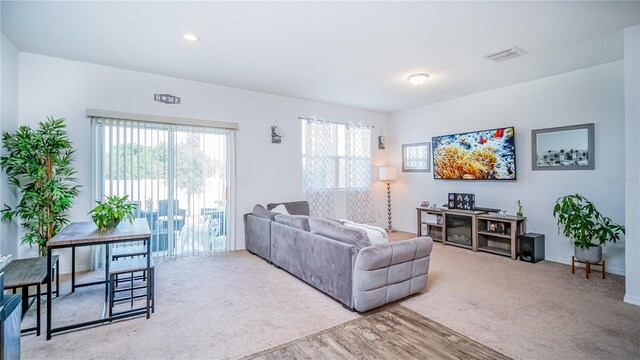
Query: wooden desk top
{"points": [[85, 233], [26, 272]]}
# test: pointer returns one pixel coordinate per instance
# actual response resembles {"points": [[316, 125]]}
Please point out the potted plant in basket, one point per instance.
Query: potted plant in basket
{"points": [[110, 212], [580, 221], [38, 166]]}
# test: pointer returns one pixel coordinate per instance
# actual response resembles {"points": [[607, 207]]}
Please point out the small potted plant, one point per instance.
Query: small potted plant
{"points": [[110, 212], [519, 213], [580, 221]]}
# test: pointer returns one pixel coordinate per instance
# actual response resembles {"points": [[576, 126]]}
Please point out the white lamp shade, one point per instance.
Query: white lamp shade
{"points": [[387, 173]]}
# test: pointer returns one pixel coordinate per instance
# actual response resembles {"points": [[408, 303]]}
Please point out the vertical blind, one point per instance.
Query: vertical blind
{"points": [[179, 176]]}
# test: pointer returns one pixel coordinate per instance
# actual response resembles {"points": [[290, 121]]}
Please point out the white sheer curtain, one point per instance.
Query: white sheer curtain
{"points": [[337, 157], [359, 200], [178, 175], [319, 166]]}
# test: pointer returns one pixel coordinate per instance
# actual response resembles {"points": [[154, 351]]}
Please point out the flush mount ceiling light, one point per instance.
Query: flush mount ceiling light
{"points": [[418, 79], [190, 37]]}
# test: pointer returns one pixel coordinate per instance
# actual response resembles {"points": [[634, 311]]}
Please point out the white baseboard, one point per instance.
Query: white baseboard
{"points": [[610, 270], [634, 300], [67, 269]]}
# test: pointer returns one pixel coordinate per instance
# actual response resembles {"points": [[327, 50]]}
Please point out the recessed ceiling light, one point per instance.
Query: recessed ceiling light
{"points": [[190, 37], [418, 79]]}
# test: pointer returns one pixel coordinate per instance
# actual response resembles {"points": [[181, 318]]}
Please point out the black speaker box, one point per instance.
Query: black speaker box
{"points": [[532, 247]]}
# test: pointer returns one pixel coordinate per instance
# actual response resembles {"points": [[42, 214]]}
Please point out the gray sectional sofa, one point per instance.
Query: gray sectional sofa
{"points": [[338, 260]]}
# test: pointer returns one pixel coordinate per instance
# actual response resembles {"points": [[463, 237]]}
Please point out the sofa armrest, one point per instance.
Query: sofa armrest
{"points": [[386, 273], [257, 235]]}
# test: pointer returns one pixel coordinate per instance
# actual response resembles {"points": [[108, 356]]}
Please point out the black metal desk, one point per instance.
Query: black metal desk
{"points": [[24, 273], [87, 234]]}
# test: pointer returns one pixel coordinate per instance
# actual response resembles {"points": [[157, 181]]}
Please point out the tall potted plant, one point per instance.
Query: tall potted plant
{"points": [[579, 220], [38, 165]]}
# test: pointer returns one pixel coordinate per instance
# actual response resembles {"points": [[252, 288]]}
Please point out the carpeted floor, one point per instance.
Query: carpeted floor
{"points": [[234, 305]]}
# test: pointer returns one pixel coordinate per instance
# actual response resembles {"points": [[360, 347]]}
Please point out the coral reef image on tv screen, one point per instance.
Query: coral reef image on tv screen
{"points": [[479, 155]]}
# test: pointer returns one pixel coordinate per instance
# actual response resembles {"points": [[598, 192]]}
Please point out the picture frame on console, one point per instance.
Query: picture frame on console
{"points": [[563, 148]]}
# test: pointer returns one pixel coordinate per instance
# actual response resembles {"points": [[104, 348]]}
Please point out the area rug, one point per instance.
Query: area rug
{"points": [[392, 333]]}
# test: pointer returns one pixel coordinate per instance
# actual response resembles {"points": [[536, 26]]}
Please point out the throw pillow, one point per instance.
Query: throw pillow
{"points": [[296, 221], [293, 207], [280, 209], [376, 234], [335, 231], [260, 211]]}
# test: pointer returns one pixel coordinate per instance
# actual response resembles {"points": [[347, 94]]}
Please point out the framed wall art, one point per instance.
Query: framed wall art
{"points": [[416, 157], [563, 148]]}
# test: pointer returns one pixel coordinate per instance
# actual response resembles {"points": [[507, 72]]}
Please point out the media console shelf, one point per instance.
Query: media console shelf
{"points": [[499, 234], [474, 230], [432, 221]]}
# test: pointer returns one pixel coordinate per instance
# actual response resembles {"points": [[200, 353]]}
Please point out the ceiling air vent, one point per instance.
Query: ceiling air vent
{"points": [[506, 54]]}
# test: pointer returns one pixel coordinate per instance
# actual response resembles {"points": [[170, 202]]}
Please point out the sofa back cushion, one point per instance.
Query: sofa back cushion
{"points": [[335, 231], [293, 207], [260, 211], [297, 221]]}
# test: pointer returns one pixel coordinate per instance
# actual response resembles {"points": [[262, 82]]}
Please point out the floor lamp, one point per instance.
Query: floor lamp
{"points": [[388, 174]]}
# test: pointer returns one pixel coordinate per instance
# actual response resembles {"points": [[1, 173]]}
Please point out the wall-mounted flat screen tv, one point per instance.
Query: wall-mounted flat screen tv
{"points": [[478, 155]]}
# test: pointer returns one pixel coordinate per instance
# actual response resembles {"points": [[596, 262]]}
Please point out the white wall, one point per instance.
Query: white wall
{"points": [[632, 161], [265, 172], [8, 122], [593, 94]]}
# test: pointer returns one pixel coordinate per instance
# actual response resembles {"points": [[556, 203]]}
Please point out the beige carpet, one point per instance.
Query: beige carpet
{"points": [[530, 311], [233, 305]]}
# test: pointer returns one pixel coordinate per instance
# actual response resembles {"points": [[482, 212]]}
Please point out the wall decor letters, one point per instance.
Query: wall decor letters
{"points": [[166, 98]]}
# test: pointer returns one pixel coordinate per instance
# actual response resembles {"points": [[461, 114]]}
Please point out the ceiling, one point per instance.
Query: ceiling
{"points": [[350, 53]]}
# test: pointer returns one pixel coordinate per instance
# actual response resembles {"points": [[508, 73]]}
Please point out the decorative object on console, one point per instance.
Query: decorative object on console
{"points": [[462, 201], [519, 213], [502, 213], [388, 174], [425, 203], [479, 155], [563, 148], [276, 133], [416, 157], [496, 227], [579, 220]]}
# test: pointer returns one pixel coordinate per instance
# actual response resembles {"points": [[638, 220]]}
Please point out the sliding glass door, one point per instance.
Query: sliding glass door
{"points": [[179, 176]]}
